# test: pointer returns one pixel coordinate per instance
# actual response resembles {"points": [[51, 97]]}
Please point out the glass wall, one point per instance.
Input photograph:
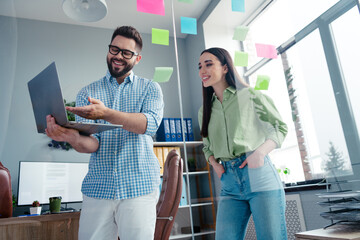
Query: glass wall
{"points": [[313, 82]]}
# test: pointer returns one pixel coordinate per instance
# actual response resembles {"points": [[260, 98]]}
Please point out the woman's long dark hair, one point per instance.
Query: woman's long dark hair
{"points": [[232, 78]]}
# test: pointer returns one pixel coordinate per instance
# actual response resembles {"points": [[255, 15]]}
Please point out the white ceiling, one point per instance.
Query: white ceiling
{"points": [[120, 12], [223, 16], [123, 12]]}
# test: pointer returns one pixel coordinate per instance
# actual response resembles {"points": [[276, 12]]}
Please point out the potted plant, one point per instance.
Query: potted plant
{"points": [[36, 208]]}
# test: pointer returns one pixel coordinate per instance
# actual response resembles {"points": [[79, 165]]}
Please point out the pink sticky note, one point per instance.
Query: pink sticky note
{"points": [[265, 50], [151, 6]]}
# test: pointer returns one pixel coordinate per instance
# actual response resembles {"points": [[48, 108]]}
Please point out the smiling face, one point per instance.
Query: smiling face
{"points": [[211, 72], [119, 67]]}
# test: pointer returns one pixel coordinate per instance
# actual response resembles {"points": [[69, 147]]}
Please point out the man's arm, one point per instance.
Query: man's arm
{"points": [[132, 122], [82, 144], [145, 122]]}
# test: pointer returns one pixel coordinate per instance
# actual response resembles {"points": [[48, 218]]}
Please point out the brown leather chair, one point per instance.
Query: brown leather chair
{"points": [[6, 207], [170, 195]]}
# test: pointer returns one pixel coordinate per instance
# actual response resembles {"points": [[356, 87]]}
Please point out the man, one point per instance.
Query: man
{"points": [[121, 189]]}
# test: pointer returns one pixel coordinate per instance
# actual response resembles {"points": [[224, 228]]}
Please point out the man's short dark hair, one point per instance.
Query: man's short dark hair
{"points": [[129, 32]]}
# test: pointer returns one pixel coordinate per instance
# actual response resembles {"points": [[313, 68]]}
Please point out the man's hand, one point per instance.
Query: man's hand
{"points": [[96, 110], [58, 133]]}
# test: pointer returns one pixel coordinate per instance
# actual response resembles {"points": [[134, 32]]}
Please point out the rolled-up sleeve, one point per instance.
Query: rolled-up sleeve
{"points": [[153, 108], [82, 100], [269, 117]]}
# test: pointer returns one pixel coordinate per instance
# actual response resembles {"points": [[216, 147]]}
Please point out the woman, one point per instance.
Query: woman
{"points": [[240, 126]]}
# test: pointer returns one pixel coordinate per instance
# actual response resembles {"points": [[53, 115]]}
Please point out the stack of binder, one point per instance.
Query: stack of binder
{"points": [[171, 130]]}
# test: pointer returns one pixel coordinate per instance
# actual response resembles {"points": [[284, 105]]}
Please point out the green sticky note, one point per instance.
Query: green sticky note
{"points": [[186, 1], [240, 33], [241, 59], [160, 36], [262, 82], [162, 74]]}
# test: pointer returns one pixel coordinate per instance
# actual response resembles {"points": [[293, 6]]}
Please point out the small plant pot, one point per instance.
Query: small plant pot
{"points": [[35, 210]]}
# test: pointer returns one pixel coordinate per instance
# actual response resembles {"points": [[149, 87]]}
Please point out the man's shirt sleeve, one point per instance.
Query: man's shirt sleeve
{"points": [[153, 108]]}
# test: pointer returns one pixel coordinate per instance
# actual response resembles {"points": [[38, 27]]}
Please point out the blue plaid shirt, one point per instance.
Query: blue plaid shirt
{"points": [[125, 165]]}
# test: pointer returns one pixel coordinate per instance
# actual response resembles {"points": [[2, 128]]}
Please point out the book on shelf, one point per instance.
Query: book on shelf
{"points": [[178, 130], [159, 154], [165, 152], [163, 133], [184, 127], [189, 129], [172, 129]]}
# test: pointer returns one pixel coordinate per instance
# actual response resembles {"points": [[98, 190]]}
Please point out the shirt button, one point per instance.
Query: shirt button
{"points": [[115, 152], [115, 170]]}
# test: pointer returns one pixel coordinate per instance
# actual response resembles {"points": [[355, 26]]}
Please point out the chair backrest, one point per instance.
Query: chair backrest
{"points": [[170, 195], [5, 193]]}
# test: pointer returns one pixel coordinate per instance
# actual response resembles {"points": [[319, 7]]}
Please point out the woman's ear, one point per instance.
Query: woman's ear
{"points": [[225, 67]]}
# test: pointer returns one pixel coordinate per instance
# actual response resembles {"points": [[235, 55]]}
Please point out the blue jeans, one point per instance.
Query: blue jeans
{"points": [[246, 191]]}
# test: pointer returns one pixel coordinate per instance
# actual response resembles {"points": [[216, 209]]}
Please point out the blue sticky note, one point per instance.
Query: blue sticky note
{"points": [[188, 25], [238, 5]]}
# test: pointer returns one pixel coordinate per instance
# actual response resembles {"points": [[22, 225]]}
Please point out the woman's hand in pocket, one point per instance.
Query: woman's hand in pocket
{"points": [[218, 168], [255, 160]]}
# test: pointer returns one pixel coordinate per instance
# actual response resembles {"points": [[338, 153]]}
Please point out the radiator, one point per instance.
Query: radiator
{"points": [[294, 219]]}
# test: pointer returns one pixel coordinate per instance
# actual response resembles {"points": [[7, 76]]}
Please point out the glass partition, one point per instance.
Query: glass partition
{"points": [[323, 121]]}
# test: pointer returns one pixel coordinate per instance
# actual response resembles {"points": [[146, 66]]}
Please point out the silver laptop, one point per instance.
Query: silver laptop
{"points": [[47, 99]]}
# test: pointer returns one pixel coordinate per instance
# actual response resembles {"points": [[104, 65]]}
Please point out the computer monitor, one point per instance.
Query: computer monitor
{"points": [[41, 180]]}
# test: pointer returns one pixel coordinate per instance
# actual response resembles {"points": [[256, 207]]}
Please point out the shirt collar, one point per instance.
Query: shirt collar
{"points": [[229, 89], [111, 79]]}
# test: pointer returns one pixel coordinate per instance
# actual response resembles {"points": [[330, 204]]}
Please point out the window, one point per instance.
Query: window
{"points": [[317, 136], [347, 43]]}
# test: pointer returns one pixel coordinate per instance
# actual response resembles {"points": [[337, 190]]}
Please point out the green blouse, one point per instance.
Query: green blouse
{"points": [[241, 123]]}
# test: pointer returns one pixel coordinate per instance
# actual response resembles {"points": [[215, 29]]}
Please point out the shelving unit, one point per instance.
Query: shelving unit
{"points": [[199, 214], [343, 205]]}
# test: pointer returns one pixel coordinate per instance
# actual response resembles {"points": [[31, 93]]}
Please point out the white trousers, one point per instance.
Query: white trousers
{"points": [[129, 219]]}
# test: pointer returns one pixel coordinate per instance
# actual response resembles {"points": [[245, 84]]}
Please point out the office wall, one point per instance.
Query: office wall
{"points": [[28, 46]]}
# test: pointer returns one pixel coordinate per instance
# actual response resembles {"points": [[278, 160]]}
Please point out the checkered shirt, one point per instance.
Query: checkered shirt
{"points": [[125, 165]]}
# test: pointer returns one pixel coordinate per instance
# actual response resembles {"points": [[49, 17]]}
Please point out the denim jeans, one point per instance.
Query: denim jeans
{"points": [[246, 191]]}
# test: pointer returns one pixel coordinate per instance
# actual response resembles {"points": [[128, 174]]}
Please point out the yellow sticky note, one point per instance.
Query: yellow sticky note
{"points": [[162, 74], [240, 33], [262, 82], [160, 36], [241, 59]]}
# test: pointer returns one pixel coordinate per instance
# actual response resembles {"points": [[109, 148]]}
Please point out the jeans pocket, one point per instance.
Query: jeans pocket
{"points": [[227, 182], [263, 178]]}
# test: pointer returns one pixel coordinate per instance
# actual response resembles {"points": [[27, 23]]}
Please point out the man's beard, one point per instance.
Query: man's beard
{"points": [[127, 67]]}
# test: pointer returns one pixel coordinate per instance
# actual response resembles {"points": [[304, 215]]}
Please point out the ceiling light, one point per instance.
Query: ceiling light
{"points": [[85, 10]]}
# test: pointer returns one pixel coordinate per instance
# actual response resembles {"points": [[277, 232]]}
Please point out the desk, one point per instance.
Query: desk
{"points": [[336, 232], [63, 226]]}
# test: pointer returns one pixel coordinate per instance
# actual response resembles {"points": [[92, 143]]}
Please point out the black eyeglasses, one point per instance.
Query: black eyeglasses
{"points": [[127, 54]]}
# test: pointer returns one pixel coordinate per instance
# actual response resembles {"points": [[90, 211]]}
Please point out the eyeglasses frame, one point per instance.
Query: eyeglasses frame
{"points": [[122, 52]]}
